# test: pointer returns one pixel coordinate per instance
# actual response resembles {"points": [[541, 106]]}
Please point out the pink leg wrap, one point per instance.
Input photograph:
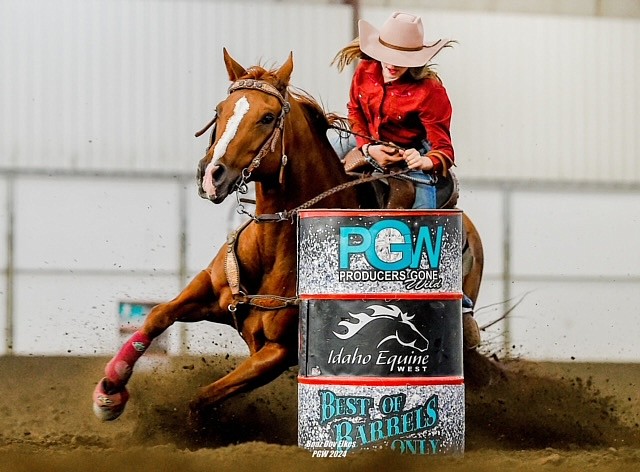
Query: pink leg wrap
{"points": [[119, 369]]}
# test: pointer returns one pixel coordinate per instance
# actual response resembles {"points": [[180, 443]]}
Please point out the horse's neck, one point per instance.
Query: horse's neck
{"points": [[312, 168]]}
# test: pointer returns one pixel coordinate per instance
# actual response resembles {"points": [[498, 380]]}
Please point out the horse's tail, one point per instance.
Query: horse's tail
{"points": [[472, 280]]}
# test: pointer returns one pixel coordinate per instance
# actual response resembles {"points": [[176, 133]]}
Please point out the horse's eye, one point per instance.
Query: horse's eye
{"points": [[268, 119]]}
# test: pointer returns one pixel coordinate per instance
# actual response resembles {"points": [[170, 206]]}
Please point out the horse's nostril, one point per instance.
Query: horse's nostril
{"points": [[218, 172]]}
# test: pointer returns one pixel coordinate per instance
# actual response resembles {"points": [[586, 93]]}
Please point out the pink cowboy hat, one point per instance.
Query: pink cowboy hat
{"points": [[399, 42]]}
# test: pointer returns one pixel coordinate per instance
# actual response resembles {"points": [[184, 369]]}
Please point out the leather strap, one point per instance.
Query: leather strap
{"points": [[231, 266]]}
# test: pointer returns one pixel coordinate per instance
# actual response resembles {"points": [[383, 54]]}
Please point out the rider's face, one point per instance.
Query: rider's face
{"points": [[392, 72]]}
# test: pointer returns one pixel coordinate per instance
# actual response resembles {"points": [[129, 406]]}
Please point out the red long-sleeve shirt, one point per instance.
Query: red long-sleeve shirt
{"points": [[404, 111]]}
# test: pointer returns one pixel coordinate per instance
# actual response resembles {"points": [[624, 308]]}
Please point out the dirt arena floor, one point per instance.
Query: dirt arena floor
{"points": [[536, 417]]}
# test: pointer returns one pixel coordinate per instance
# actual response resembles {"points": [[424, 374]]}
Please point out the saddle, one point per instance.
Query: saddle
{"points": [[396, 192]]}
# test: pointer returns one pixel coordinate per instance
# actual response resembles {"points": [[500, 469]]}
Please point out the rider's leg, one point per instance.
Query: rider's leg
{"points": [[341, 143], [425, 193], [470, 330]]}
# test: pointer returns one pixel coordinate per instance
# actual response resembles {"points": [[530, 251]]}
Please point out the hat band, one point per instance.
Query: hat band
{"points": [[399, 48]]}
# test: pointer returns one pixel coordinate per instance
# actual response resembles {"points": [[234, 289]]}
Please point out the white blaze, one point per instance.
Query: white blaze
{"points": [[239, 110]]}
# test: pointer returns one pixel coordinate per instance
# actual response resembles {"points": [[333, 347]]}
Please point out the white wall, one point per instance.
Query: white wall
{"points": [[4, 259], [578, 253], [574, 260], [125, 84], [117, 84]]}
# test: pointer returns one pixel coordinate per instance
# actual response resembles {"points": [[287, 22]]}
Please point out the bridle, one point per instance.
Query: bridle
{"points": [[278, 130], [270, 144]]}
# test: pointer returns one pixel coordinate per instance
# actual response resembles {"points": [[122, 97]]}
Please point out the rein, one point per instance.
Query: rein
{"points": [[290, 214], [231, 266]]}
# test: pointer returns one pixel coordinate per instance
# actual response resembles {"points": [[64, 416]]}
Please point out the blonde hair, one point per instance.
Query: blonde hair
{"points": [[352, 52]]}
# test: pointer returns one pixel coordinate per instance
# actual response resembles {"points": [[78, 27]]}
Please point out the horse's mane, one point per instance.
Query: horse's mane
{"points": [[321, 119]]}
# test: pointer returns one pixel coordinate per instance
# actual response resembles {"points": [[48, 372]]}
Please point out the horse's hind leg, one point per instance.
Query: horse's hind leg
{"points": [[257, 370], [193, 304], [272, 341], [479, 370]]}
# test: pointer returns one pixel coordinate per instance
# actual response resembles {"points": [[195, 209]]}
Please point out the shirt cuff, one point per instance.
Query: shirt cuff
{"points": [[441, 162]]}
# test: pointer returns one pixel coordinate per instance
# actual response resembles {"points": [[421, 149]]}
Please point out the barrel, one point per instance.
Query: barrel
{"points": [[380, 357]]}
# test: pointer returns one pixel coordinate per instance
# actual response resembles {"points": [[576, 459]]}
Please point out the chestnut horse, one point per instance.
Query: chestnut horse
{"points": [[265, 133]]}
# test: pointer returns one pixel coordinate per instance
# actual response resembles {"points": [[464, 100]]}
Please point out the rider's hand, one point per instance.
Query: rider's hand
{"points": [[384, 155], [416, 161]]}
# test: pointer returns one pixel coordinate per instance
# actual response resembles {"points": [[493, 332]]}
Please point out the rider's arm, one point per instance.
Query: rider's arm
{"points": [[435, 115], [358, 120]]}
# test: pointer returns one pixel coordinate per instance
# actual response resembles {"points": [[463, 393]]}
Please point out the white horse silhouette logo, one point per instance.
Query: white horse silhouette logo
{"points": [[406, 333]]}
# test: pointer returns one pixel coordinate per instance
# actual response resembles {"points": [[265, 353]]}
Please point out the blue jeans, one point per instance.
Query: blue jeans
{"points": [[425, 193]]}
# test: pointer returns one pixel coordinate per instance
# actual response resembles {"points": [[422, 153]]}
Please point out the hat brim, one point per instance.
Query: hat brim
{"points": [[372, 47]]}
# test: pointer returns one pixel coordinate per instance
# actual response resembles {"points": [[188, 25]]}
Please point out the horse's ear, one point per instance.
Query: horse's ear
{"points": [[234, 69], [284, 73]]}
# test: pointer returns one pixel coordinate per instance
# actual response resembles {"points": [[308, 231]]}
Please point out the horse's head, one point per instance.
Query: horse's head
{"points": [[246, 141]]}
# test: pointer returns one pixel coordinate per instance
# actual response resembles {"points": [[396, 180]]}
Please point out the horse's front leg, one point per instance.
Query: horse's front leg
{"points": [[195, 303]]}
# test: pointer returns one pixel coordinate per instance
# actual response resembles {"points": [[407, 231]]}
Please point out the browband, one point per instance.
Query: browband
{"points": [[258, 85]]}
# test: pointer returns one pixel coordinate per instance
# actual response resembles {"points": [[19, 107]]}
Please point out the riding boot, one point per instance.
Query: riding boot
{"points": [[470, 330]]}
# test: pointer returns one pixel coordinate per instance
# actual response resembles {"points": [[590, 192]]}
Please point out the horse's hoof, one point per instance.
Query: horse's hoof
{"points": [[109, 406], [196, 414], [201, 413]]}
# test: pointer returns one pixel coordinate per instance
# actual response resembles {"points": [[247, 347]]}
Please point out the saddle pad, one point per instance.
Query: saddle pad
{"points": [[354, 160]]}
